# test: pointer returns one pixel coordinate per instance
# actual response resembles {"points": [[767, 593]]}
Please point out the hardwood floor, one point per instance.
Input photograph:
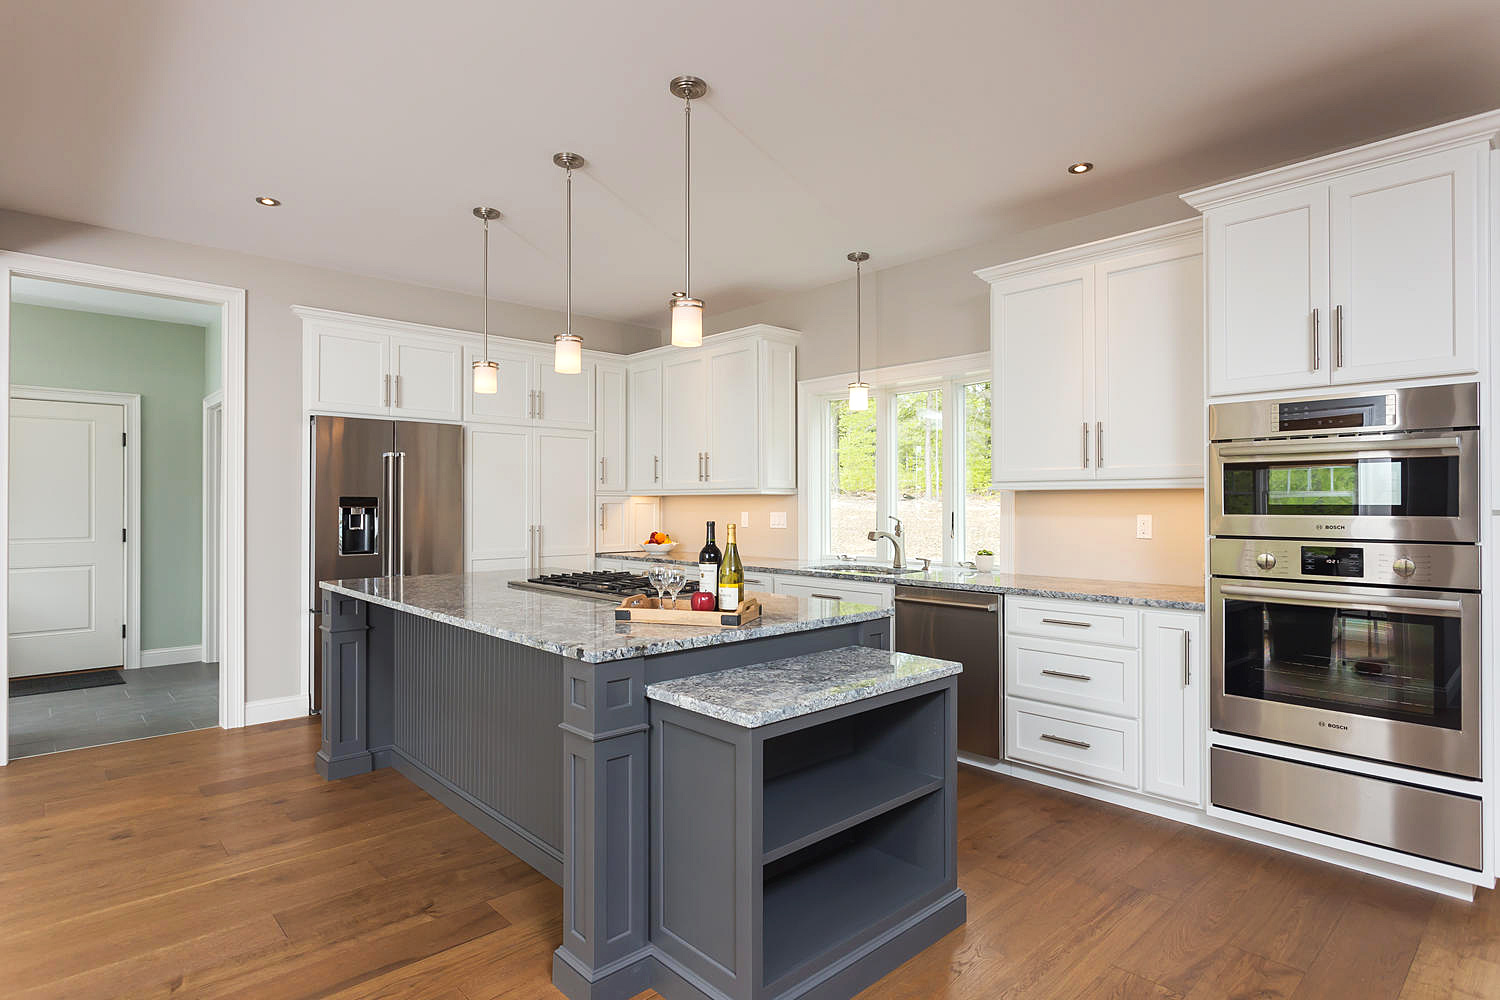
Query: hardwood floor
{"points": [[218, 864]]}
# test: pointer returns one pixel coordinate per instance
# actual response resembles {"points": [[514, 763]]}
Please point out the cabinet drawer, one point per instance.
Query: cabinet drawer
{"points": [[839, 590], [1075, 674], [761, 584], [1073, 621], [1066, 739]]}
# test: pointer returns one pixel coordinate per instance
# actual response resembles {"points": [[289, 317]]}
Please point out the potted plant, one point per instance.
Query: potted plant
{"points": [[984, 560]]}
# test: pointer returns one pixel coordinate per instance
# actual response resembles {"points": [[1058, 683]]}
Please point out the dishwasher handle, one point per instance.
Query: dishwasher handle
{"points": [[957, 606]]}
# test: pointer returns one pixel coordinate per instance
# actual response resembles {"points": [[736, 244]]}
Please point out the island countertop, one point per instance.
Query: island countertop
{"points": [[579, 627]]}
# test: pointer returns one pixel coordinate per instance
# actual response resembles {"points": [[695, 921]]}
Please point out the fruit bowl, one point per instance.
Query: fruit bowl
{"points": [[658, 548]]}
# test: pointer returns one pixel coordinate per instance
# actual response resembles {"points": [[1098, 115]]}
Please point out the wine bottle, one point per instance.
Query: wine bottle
{"points": [[709, 562], [731, 576]]}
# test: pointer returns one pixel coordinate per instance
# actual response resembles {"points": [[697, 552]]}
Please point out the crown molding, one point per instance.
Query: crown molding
{"points": [[1185, 232]]}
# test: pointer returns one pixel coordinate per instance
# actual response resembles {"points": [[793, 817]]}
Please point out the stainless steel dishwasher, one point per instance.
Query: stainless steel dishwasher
{"points": [[965, 626]]}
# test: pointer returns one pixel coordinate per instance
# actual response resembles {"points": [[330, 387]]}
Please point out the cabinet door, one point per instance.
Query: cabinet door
{"points": [[613, 534], [564, 513], [1172, 709], [609, 429], [499, 466], [734, 425], [778, 421], [428, 381], [351, 371], [645, 517], [1268, 292], [684, 423], [1148, 363], [1042, 342], [1404, 260], [513, 402], [565, 400], [644, 404]]}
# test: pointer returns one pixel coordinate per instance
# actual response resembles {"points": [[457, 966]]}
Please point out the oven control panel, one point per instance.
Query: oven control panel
{"points": [[1439, 567]]}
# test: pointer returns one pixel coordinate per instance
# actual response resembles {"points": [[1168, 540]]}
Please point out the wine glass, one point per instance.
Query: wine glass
{"points": [[657, 577], [676, 580]]}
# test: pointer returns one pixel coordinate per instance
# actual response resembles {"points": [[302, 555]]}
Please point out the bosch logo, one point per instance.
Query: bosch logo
{"points": [[1333, 725]]}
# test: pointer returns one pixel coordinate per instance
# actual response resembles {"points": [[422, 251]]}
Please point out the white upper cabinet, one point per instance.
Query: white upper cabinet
{"points": [[730, 455], [565, 400], [427, 379], [685, 400], [514, 399], [530, 391], [350, 369], [1355, 267], [610, 437], [361, 368], [1097, 355], [643, 397]]}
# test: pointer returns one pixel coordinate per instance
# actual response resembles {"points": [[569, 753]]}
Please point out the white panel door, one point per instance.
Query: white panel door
{"points": [[731, 454], [614, 524], [1405, 268], [1148, 363], [428, 379], [352, 371], [644, 403], [685, 398], [499, 463], [1042, 340], [67, 545], [645, 517], [1268, 292], [563, 512], [514, 402], [565, 400], [1172, 708], [610, 429]]}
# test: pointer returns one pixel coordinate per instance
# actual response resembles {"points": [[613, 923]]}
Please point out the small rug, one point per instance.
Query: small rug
{"points": [[20, 687]]}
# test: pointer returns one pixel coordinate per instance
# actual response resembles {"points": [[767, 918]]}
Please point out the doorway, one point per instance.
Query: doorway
{"points": [[122, 596]]}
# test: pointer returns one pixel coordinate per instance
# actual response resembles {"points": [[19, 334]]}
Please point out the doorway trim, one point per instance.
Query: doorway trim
{"points": [[213, 446], [231, 303], [131, 403]]}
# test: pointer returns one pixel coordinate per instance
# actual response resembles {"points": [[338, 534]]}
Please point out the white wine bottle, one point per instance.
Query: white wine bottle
{"points": [[731, 576]]}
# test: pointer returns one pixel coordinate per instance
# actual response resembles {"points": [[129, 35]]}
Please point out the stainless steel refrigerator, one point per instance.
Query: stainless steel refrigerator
{"points": [[387, 500]]}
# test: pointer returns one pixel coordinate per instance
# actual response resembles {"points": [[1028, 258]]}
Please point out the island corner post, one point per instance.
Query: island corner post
{"points": [[547, 754]]}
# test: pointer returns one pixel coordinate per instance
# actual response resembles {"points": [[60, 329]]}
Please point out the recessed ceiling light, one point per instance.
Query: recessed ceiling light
{"points": [[267, 201], [1080, 168]]}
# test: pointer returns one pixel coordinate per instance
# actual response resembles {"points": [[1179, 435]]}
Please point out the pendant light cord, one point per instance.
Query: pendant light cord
{"points": [[859, 323], [687, 197], [486, 291], [570, 251]]}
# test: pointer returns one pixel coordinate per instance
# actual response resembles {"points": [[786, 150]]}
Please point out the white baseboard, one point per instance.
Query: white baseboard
{"points": [[275, 709], [171, 654]]}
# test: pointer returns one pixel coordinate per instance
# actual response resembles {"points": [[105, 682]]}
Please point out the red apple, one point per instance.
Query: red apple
{"points": [[704, 601]]}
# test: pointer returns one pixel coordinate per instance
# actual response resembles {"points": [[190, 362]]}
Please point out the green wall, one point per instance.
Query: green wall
{"points": [[165, 364]]}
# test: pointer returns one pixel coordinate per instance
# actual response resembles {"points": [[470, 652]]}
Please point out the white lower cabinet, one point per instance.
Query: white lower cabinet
{"points": [[880, 595], [1107, 693], [625, 522]]}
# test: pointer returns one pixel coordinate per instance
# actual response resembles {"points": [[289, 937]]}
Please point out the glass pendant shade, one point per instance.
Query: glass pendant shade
{"points": [[687, 321], [859, 395], [486, 377], [567, 354]]}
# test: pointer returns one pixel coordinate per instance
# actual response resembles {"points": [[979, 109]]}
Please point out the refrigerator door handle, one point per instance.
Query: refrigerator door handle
{"points": [[398, 553], [388, 485]]}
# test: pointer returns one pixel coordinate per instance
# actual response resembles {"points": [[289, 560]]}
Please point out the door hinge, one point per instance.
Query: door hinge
{"points": [[124, 439], [122, 631], [124, 534]]}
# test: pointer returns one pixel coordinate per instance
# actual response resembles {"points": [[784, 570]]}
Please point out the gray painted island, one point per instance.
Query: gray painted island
{"points": [[527, 713]]}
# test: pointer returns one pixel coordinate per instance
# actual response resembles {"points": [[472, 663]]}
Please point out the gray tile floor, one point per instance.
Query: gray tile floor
{"points": [[153, 701]]}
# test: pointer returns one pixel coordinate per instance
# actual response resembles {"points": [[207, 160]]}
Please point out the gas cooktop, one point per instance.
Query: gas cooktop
{"points": [[600, 585]]}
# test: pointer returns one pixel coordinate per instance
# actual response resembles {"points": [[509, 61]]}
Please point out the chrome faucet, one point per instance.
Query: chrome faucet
{"points": [[899, 562]]}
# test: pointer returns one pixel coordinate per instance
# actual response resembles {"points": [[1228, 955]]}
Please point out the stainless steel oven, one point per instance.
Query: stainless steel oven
{"points": [[1365, 649], [1401, 465]]}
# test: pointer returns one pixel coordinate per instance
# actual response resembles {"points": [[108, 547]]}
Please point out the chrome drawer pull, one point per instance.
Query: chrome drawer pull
{"points": [[828, 597], [1076, 744], [1064, 673], [1064, 621]]}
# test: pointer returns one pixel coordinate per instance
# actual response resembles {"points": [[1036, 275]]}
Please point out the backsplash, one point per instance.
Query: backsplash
{"points": [[683, 517], [1091, 534]]}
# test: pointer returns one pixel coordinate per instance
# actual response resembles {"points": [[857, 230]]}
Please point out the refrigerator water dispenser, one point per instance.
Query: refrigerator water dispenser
{"points": [[358, 521]]}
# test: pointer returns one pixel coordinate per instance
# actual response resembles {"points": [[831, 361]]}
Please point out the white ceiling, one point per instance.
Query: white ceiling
{"points": [[112, 302], [904, 128]]}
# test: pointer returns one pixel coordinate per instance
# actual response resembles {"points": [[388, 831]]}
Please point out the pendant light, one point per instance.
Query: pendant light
{"points": [[567, 352], [486, 372], [686, 311], [859, 389]]}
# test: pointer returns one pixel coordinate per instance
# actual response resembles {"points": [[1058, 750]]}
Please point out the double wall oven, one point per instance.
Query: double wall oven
{"points": [[1344, 610]]}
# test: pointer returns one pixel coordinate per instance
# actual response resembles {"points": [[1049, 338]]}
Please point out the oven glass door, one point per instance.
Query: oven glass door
{"points": [[1393, 677]]}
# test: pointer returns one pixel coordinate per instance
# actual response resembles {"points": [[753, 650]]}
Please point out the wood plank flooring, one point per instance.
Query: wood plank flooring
{"points": [[218, 864]]}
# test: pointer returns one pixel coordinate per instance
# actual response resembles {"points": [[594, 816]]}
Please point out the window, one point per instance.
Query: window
{"points": [[920, 453]]}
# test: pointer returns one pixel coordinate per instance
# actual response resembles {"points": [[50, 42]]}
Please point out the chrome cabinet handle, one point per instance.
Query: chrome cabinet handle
{"points": [[1187, 661], [601, 517], [398, 390], [1316, 331], [1064, 621], [827, 597], [531, 404], [1338, 336], [1063, 673], [1099, 445], [601, 468], [656, 468], [387, 396], [1085, 444], [541, 406], [707, 475], [1076, 744]]}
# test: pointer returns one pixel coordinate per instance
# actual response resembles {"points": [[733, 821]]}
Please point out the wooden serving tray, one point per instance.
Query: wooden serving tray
{"points": [[641, 608]]}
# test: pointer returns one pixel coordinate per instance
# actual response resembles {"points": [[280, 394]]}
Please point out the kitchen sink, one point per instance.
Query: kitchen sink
{"points": [[865, 568]]}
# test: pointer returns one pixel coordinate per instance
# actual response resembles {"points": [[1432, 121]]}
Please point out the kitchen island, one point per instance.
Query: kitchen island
{"points": [[527, 714]]}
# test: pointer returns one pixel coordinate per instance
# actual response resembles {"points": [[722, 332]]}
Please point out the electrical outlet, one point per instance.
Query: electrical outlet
{"points": [[778, 519], [1143, 526], [744, 519]]}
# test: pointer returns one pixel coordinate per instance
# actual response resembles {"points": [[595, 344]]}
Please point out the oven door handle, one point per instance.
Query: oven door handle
{"points": [[1345, 600], [1447, 444]]}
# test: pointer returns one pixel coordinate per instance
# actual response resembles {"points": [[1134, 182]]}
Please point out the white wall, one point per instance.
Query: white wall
{"points": [[273, 426]]}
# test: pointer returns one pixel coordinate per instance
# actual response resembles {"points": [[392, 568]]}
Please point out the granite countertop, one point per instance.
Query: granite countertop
{"points": [[580, 627], [1147, 595], [801, 685]]}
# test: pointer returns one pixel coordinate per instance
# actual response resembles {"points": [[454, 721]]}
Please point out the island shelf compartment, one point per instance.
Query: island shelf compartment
{"points": [[807, 857]]}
